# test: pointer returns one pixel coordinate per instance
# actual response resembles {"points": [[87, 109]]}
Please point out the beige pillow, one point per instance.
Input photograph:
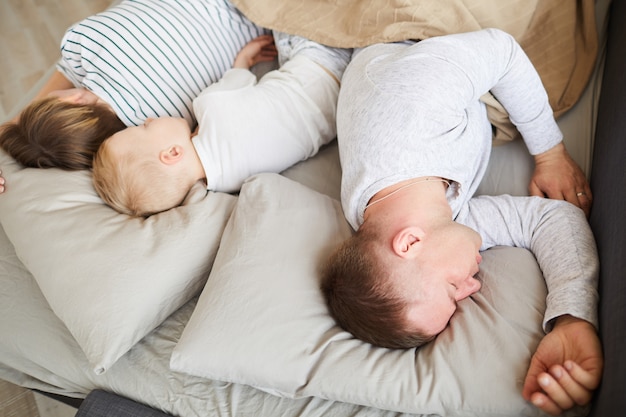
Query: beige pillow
{"points": [[261, 319], [110, 278]]}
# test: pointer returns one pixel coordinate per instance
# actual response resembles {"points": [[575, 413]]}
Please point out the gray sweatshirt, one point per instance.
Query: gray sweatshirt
{"points": [[408, 111]]}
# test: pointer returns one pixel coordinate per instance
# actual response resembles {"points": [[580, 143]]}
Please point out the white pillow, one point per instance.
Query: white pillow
{"points": [[109, 277], [261, 319]]}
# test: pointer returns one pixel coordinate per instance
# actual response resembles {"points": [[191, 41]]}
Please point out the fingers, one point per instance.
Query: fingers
{"points": [[263, 41], [569, 390], [1, 183], [534, 190], [559, 177], [578, 195], [554, 398], [566, 367], [260, 49], [264, 47], [266, 38], [580, 199], [544, 403], [584, 199], [553, 387], [587, 379], [584, 202], [563, 388], [267, 53], [268, 50]]}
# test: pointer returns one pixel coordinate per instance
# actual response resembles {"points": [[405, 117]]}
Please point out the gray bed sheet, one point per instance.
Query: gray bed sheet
{"points": [[37, 351]]}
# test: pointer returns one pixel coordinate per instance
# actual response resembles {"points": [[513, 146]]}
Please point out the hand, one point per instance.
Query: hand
{"points": [[75, 96], [260, 49], [1, 183], [566, 368], [558, 176]]}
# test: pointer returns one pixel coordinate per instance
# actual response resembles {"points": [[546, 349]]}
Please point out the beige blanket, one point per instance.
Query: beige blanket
{"points": [[559, 36]]}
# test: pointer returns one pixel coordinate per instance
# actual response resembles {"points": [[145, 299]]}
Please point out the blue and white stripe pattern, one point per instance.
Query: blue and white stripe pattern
{"points": [[151, 58]]}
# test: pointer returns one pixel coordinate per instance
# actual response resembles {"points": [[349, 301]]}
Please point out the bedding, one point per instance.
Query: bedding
{"points": [[144, 373], [100, 251], [560, 38], [278, 336], [111, 279]]}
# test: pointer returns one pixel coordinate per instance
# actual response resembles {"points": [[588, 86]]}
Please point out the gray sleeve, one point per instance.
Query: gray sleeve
{"points": [[559, 236], [464, 67], [521, 92]]}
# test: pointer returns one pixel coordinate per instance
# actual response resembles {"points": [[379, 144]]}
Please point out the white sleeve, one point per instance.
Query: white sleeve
{"points": [[233, 79], [248, 127]]}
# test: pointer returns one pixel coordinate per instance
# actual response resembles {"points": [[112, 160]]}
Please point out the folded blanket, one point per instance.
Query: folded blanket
{"points": [[559, 36]]}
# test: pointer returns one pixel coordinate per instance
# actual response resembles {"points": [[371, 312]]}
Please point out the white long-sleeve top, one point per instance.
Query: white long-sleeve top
{"points": [[247, 127]]}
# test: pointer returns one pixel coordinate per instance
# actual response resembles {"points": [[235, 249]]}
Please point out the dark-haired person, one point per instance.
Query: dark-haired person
{"points": [[414, 143]]}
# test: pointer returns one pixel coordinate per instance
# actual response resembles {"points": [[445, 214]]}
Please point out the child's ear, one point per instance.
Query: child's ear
{"points": [[171, 155]]}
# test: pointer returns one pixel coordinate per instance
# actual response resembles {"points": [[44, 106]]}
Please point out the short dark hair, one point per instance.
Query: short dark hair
{"points": [[358, 294]]}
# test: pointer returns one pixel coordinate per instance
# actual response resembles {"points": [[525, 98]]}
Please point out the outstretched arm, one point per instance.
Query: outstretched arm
{"points": [[260, 49], [566, 367]]}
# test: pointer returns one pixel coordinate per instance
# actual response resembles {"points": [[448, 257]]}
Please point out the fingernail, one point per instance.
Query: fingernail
{"points": [[538, 401], [544, 381], [569, 365], [557, 373]]}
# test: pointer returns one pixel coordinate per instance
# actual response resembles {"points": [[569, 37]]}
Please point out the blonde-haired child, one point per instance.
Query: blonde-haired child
{"points": [[245, 127]]}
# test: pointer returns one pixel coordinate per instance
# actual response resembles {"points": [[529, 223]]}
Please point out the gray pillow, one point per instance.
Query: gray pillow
{"points": [[110, 278], [261, 319]]}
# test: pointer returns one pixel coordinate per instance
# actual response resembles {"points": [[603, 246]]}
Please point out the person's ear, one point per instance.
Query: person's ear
{"points": [[171, 155], [406, 242]]}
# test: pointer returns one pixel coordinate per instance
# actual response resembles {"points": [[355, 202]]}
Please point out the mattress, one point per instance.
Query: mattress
{"points": [[38, 351]]}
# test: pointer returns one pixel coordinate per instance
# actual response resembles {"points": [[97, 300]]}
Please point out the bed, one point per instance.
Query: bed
{"points": [[213, 308]]}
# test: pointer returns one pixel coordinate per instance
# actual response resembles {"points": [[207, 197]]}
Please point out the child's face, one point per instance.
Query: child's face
{"points": [[154, 134], [447, 268]]}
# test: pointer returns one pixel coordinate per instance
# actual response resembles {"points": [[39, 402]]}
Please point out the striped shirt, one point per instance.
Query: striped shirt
{"points": [[151, 58]]}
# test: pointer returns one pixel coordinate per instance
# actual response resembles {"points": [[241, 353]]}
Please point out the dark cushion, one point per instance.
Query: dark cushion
{"points": [[608, 216], [104, 404]]}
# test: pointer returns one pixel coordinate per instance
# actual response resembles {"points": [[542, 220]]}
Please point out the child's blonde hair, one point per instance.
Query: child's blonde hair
{"points": [[51, 133], [136, 182]]}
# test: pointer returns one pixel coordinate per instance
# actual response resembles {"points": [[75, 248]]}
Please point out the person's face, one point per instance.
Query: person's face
{"points": [[448, 264], [154, 134]]}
